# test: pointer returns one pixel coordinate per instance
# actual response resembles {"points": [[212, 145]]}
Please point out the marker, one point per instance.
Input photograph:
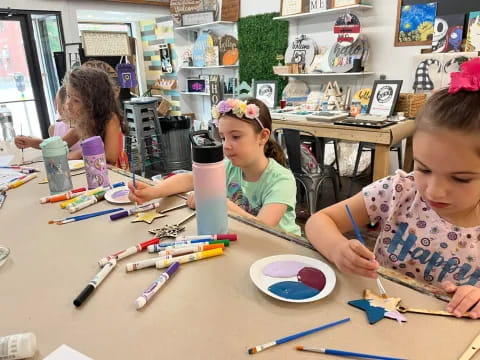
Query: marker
{"points": [[64, 204], [259, 348], [22, 169], [155, 248], [156, 285], [95, 282], [91, 200], [82, 198], [3, 197], [231, 237], [164, 244], [83, 217], [128, 251], [168, 254], [346, 353], [189, 258], [19, 182], [60, 197], [135, 210]]}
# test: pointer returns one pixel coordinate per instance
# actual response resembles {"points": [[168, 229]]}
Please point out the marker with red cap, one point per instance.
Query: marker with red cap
{"points": [[129, 251], [66, 196]]}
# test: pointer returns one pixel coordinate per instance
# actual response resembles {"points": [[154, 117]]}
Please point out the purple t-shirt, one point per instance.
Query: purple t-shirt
{"points": [[415, 240]]}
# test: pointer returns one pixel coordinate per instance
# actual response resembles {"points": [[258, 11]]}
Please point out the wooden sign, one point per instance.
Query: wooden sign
{"points": [[179, 7], [228, 50], [301, 50], [146, 2], [196, 18], [215, 90], [292, 7], [211, 56], [106, 43], [230, 10], [319, 5], [342, 3], [203, 41], [211, 5]]}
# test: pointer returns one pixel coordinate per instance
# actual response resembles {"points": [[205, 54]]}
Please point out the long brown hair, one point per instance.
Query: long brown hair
{"points": [[98, 98], [271, 149], [459, 111]]}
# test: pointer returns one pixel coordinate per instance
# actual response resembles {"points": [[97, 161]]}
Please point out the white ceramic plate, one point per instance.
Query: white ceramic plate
{"points": [[76, 164], [118, 195], [263, 282]]}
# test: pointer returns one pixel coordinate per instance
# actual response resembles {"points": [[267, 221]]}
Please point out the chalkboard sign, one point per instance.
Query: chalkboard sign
{"points": [[106, 43]]}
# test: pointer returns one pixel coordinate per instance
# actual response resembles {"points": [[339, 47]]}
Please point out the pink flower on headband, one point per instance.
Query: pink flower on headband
{"points": [[467, 79], [252, 111], [223, 107]]}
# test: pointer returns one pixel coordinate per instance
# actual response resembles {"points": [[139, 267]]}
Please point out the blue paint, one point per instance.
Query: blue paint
{"points": [[293, 290], [374, 313]]}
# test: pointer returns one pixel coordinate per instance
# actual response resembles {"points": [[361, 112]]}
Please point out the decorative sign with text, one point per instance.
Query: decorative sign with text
{"points": [[179, 7], [301, 50], [106, 43], [215, 90], [228, 50], [199, 47]]}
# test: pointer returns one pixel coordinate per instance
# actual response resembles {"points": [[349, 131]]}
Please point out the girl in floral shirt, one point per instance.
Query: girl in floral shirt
{"points": [[430, 219]]}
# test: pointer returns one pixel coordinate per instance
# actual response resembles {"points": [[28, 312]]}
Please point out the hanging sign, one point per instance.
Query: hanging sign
{"points": [[301, 50], [347, 29], [341, 58]]}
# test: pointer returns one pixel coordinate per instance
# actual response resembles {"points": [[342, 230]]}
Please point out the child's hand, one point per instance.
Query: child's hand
{"points": [[142, 193], [353, 257], [22, 142], [465, 298], [191, 200]]}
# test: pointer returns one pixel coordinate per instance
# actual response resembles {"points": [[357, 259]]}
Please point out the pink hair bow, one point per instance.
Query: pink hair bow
{"points": [[467, 79]]}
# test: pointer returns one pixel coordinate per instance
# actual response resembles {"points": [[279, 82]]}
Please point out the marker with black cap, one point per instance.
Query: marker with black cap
{"points": [[95, 282]]}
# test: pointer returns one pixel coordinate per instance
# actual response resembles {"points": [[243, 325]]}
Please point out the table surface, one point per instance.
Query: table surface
{"points": [[210, 309]]}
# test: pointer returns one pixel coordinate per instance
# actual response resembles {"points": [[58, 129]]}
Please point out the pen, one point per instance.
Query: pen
{"points": [[95, 282], [156, 285]]}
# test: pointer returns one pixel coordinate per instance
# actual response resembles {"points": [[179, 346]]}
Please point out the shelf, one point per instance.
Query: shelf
{"points": [[328, 74], [207, 67], [193, 93], [324, 12], [200, 26]]}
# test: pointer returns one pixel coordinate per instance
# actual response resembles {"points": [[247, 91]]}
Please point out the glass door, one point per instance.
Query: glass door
{"points": [[21, 83]]}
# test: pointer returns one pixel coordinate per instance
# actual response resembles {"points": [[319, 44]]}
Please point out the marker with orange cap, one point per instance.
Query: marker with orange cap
{"points": [[60, 197]]}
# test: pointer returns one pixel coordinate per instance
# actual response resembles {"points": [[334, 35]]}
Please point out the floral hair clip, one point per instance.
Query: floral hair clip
{"points": [[467, 79], [238, 108]]}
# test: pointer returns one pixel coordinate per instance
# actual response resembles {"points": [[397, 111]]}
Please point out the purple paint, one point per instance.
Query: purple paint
{"points": [[283, 269], [121, 193], [293, 290], [312, 277]]}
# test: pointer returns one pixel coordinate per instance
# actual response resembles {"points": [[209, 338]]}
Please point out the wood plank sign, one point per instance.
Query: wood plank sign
{"points": [[215, 90], [179, 7], [199, 47], [106, 43], [228, 50], [230, 10]]}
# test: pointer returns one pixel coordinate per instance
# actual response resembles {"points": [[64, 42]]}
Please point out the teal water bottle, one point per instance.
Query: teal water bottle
{"points": [[55, 151]]}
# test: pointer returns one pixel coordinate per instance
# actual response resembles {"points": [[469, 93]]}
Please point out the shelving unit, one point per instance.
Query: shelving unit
{"points": [[203, 26], [207, 67], [324, 12], [194, 93], [329, 74]]}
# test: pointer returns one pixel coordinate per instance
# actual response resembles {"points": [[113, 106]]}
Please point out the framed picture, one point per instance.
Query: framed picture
{"points": [[197, 18], [415, 24], [196, 85], [292, 7], [342, 3], [106, 43], [384, 97], [266, 91]]}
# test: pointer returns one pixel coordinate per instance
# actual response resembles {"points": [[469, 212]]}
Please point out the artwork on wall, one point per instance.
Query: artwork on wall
{"points": [[347, 29], [415, 24], [384, 97], [473, 34], [196, 85], [165, 58], [448, 31], [266, 91]]}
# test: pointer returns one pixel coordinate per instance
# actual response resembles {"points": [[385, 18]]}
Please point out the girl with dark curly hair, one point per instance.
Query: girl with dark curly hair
{"points": [[93, 109]]}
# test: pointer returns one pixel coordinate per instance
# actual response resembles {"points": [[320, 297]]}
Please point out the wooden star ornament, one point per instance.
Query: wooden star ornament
{"points": [[148, 216], [378, 308]]}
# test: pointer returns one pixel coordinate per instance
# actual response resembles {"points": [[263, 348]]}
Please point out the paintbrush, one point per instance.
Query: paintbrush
{"points": [[383, 293], [345, 353], [83, 217], [23, 160]]}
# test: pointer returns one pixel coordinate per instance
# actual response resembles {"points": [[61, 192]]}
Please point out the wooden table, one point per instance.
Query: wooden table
{"points": [[382, 138], [210, 309]]}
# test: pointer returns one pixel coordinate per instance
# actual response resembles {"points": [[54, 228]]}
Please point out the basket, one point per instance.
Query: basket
{"points": [[280, 69], [164, 107], [410, 104]]}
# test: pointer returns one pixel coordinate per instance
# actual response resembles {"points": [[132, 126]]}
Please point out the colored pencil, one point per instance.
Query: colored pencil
{"points": [[265, 346], [346, 353], [83, 217], [360, 238]]}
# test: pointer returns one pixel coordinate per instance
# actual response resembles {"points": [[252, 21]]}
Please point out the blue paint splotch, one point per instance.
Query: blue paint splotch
{"points": [[293, 290]]}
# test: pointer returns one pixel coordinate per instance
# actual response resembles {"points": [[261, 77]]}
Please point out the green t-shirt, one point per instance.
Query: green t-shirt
{"points": [[275, 186]]}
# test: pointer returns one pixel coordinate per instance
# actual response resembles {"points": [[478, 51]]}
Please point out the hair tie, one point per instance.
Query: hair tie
{"points": [[238, 108], [467, 79]]}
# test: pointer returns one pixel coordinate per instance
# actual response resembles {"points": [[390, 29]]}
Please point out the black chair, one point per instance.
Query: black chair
{"points": [[365, 146], [310, 182]]}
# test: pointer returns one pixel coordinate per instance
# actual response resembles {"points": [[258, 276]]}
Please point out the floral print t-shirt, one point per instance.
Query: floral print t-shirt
{"points": [[415, 240]]}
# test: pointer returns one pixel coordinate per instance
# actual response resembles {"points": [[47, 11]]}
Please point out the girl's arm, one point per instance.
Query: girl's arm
{"points": [[75, 155], [269, 214], [324, 229], [71, 137], [173, 185], [112, 140], [23, 142]]}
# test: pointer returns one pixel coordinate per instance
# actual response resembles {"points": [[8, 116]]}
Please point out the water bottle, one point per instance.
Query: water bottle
{"points": [[55, 152], [6, 122], [209, 183], [95, 162]]}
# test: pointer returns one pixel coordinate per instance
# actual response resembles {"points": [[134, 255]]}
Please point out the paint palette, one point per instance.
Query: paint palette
{"points": [[118, 195], [293, 278]]}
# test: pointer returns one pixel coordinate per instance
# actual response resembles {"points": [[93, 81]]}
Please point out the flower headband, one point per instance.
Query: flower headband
{"points": [[467, 79], [238, 108]]}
